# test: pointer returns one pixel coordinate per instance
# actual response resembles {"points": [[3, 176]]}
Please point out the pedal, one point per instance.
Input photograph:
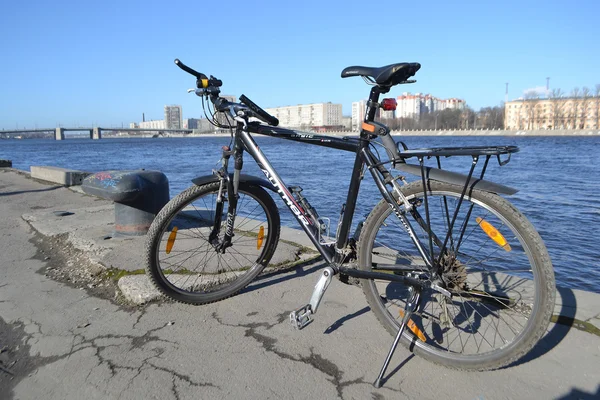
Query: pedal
{"points": [[301, 317]]}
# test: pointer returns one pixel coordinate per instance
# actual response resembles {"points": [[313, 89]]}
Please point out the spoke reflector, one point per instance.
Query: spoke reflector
{"points": [[413, 327], [261, 236], [493, 233], [171, 240]]}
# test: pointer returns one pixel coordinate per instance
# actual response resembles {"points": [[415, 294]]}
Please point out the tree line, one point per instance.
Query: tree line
{"points": [[467, 118], [555, 109]]}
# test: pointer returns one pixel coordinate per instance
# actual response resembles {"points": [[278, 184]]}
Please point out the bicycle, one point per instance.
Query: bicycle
{"points": [[447, 265]]}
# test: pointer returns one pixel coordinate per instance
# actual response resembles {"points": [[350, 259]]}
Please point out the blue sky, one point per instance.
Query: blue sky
{"points": [[105, 63]]}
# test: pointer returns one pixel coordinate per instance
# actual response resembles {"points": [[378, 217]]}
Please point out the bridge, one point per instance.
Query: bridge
{"points": [[95, 133]]}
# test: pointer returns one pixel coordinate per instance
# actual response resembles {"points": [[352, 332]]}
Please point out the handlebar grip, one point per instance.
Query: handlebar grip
{"points": [[189, 70], [265, 116]]}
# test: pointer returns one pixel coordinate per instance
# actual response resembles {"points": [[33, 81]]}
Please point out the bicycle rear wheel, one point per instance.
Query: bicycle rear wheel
{"points": [[184, 265], [496, 268]]}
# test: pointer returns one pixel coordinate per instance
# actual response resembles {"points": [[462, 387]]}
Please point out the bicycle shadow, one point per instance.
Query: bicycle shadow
{"points": [[469, 319], [576, 394], [269, 278], [338, 324], [557, 332]]}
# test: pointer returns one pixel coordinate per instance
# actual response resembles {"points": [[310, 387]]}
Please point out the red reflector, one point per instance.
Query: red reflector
{"points": [[389, 104]]}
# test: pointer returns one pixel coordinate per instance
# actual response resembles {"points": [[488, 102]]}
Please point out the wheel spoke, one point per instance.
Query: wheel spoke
{"points": [[495, 290], [194, 270]]}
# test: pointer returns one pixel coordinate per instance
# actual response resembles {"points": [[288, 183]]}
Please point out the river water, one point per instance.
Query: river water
{"points": [[558, 178]]}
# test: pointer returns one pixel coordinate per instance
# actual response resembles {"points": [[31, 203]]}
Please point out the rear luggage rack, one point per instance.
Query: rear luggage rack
{"points": [[474, 151]]}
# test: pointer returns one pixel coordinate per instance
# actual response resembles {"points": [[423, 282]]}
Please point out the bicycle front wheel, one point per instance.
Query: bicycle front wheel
{"points": [[496, 268], [184, 264]]}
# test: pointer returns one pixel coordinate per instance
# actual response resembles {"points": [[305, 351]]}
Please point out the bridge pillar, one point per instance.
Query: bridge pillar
{"points": [[59, 134], [96, 133]]}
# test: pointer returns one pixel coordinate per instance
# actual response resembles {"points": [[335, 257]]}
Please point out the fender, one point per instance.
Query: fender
{"points": [[252, 180], [455, 178]]}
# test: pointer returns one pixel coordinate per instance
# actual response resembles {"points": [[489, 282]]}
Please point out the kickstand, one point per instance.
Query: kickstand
{"points": [[409, 309]]}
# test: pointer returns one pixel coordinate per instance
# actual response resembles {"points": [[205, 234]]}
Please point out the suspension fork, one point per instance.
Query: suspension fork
{"points": [[232, 184], [224, 183]]}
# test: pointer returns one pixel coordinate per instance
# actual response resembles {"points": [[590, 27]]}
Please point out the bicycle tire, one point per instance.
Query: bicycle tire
{"points": [[487, 281], [190, 269]]}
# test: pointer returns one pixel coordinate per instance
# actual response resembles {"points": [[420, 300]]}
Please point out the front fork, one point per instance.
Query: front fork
{"points": [[229, 184]]}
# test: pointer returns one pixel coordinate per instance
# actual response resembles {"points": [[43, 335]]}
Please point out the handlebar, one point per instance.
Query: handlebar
{"points": [[202, 81], [210, 87], [189, 70]]}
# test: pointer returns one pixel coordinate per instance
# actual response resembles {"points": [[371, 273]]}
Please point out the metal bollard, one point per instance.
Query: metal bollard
{"points": [[138, 196]]}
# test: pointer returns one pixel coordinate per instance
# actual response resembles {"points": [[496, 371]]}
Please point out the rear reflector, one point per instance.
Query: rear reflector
{"points": [[389, 104]]}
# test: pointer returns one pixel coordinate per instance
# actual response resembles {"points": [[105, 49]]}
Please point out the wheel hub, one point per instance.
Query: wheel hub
{"points": [[454, 273]]}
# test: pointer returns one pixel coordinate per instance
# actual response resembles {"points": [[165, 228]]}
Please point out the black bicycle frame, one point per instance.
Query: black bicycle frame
{"points": [[308, 225], [364, 157]]}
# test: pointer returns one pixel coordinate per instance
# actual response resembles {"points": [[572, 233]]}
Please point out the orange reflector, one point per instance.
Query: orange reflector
{"points": [[414, 328], [368, 127], [493, 233], [171, 240], [261, 236]]}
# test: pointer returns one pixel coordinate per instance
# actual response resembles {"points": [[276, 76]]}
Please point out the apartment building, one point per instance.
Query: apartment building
{"points": [[413, 105], [224, 119], [409, 106], [452, 104], [358, 114], [154, 124], [560, 113], [308, 115], [173, 117]]}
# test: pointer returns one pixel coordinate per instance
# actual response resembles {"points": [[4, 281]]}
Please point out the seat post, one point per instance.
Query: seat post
{"points": [[374, 99]]}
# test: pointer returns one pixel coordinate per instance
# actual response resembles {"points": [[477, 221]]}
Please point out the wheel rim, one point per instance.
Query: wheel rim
{"points": [[189, 264], [499, 307]]}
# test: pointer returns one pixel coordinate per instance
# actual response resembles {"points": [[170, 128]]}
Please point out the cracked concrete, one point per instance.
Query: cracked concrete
{"points": [[65, 340]]}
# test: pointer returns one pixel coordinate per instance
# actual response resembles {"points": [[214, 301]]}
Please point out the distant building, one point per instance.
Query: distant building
{"points": [[452, 104], [198, 125], [409, 106], [204, 126], [560, 113], [358, 114], [190, 123], [155, 124], [323, 116], [173, 117], [347, 123], [223, 118], [391, 114], [414, 105]]}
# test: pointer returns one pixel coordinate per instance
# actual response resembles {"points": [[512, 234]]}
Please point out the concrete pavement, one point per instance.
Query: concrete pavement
{"points": [[65, 336]]}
